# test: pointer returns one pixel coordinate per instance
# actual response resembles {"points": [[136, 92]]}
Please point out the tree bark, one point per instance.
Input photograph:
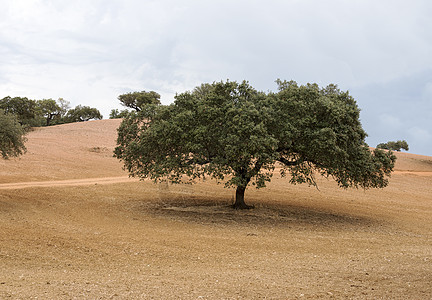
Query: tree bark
{"points": [[239, 200]]}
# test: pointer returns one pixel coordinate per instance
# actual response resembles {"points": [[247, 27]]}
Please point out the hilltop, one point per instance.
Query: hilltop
{"points": [[68, 151]]}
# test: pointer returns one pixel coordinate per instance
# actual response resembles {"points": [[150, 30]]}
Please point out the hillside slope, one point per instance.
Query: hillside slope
{"points": [[73, 226], [69, 151], [85, 150]]}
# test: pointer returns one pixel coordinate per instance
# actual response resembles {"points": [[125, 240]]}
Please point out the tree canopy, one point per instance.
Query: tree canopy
{"points": [[83, 113], [116, 114], [11, 136], [24, 109], [137, 100], [48, 109], [395, 146], [231, 132], [45, 112]]}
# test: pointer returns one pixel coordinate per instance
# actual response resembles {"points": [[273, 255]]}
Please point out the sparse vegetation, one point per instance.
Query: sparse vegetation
{"points": [[98, 149]]}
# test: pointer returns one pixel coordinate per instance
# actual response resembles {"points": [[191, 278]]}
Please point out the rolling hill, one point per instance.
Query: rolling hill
{"points": [[73, 225]]}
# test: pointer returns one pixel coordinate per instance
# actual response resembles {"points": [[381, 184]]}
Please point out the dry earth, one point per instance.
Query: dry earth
{"points": [[72, 225]]}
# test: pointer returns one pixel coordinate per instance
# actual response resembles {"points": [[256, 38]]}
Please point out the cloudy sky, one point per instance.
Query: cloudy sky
{"points": [[89, 52]]}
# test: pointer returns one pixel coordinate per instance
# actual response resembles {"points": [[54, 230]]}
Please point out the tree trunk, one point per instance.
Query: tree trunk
{"points": [[49, 118], [239, 200]]}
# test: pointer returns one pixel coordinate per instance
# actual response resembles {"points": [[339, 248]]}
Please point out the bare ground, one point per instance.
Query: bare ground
{"points": [[72, 225]]}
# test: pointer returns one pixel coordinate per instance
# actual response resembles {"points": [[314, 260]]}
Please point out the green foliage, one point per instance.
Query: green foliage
{"points": [[83, 113], [233, 133], [116, 114], [395, 146], [11, 136], [64, 106], [137, 100], [34, 113], [23, 108], [49, 109]]}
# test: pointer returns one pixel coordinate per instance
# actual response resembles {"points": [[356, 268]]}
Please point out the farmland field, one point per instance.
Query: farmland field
{"points": [[73, 225]]}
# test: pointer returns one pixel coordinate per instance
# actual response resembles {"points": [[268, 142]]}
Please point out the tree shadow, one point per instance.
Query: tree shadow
{"points": [[211, 211]]}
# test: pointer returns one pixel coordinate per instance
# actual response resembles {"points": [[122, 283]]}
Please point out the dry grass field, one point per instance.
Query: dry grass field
{"points": [[73, 226]]}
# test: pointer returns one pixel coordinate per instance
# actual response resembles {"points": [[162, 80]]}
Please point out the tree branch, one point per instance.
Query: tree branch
{"points": [[288, 163]]}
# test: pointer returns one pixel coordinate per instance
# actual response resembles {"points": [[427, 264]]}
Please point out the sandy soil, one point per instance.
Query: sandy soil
{"points": [[73, 226]]}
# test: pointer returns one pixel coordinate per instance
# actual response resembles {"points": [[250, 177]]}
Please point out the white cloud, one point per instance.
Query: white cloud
{"points": [[89, 52], [427, 92], [420, 133], [390, 121], [420, 136]]}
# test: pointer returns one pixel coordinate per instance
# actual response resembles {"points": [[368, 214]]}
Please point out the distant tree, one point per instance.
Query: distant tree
{"points": [[64, 107], [23, 108], [137, 100], [83, 113], [11, 136], [395, 146], [116, 114], [233, 133], [49, 109]]}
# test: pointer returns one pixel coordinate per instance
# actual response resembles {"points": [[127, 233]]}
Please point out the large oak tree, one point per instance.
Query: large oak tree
{"points": [[236, 134]]}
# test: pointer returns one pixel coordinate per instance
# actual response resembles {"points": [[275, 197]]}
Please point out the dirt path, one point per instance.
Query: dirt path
{"points": [[111, 180], [70, 182], [413, 173]]}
